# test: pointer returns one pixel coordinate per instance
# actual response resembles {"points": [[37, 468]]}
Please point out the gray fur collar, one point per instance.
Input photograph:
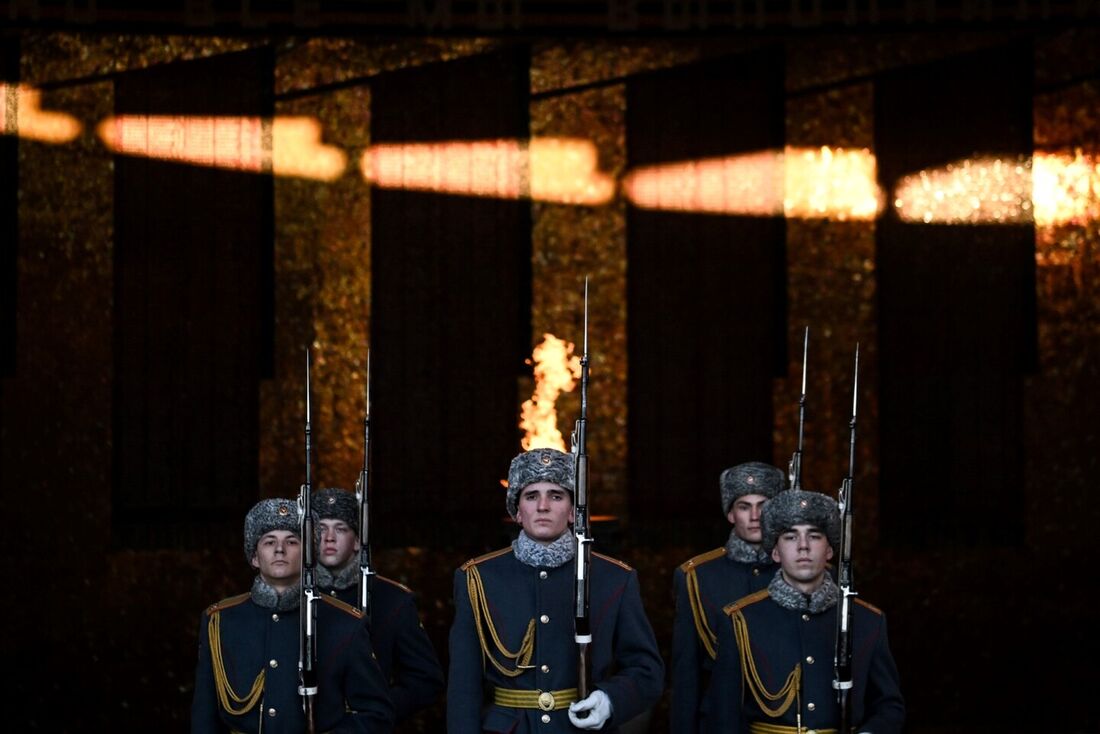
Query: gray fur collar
{"points": [[266, 597], [533, 553], [738, 550], [789, 597], [344, 578]]}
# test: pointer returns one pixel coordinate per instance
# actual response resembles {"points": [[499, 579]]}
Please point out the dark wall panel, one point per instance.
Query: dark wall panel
{"points": [[706, 293], [957, 318], [450, 321], [9, 212], [192, 317]]}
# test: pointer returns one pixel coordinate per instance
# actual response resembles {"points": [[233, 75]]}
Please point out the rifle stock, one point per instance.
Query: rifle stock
{"points": [[842, 659], [307, 652], [582, 630]]}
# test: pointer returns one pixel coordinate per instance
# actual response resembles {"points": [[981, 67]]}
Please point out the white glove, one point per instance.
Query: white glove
{"points": [[598, 709]]}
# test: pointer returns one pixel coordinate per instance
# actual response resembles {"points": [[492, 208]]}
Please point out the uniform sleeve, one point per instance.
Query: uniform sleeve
{"points": [[417, 675], [640, 672], [464, 676], [883, 704], [686, 696], [204, 705], [723, 697], [366, 693]]}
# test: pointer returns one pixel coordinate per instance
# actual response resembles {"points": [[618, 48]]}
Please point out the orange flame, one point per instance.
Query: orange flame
{"points": [[21, 114], [561, 170], [285, 146], [557, 370]]}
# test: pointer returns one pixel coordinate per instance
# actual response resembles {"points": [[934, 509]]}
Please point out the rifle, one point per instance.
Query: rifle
{"points": [[361, 494], [842, 660], [582, 633], [307, 640], [794, 468]]}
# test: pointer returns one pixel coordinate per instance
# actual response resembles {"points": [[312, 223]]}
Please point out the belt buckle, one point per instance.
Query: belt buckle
{"points": [[546, 700]]}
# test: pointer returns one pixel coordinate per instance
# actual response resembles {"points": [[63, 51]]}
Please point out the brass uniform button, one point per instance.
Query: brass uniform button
{"points": [[546, 718], [756, 572], [271, 712], [545, 668], [274, 663], [544, 619], [810, 706], [543, 574], [810, 659], [274, 617], [805, 617]]}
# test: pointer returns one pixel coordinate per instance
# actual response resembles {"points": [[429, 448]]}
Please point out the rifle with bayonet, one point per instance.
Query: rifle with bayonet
{"points": [[794, 468], [307, 610], [842, 660], [362, 495], [581, 629]]}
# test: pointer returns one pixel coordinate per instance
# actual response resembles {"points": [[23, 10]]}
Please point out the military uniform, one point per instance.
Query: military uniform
{"points": [[704, 585], [245, 647], [401, 645], [511, 616], [774, 671], [780, 641]]}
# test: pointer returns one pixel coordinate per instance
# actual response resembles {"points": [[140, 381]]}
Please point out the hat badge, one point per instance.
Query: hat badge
{"points": [[284, 510], [330, 500], [750, 479], [545, 459], [803, 503]]}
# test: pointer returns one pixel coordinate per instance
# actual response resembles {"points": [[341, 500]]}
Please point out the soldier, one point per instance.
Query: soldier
{"points": [[706, 583], [513, 657], [246, 679], [401, 645], [774, 672]]}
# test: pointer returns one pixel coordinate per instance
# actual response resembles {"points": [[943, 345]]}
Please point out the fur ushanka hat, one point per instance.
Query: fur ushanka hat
{"points": [[752, 477], [267, 515], [799, 507], [538, 465]]}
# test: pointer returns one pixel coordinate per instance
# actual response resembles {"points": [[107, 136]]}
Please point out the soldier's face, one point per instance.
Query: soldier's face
{"points": [[278, 558], [338, 543], [545, 511], [745, 515], [803, 552]]}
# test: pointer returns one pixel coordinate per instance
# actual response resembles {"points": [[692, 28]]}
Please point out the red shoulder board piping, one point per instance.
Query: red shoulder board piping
{"points": [[745, 601], [869, 606], [702, 558], [391, 582], [342, 606], [616, 561], [226, 603], [486, 557]]}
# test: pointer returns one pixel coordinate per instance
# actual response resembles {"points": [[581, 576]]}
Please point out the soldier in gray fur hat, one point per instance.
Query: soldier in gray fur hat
{"points": [[512, 639], [246, 679], [703, 585], [404, 651], [792, 624]]}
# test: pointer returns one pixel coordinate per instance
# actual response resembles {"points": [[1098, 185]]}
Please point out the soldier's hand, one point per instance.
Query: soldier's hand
{"points": [[596, 710]]}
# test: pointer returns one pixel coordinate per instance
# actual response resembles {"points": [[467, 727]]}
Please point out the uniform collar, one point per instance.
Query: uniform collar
{"points": [[532, 553], [265, 596], [788, 597], [738, 550], [343, 578]]}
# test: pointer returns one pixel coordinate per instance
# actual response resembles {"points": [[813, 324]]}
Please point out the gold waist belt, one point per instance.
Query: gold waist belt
{"points": [[760, 727], [545, 700]]}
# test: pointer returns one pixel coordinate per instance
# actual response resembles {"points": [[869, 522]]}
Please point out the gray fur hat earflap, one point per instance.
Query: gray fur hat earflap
{"points": [[752, 477], [267, 515], [538, 465], [333, 503], [799, 507]]}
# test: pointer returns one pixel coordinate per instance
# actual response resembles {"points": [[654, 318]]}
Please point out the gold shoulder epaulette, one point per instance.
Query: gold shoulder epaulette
{"points": [[398, 584], [872, 607], [342, 606], [486, 557], [616, 561], [226, 603], [745, 601], [702, 558]]}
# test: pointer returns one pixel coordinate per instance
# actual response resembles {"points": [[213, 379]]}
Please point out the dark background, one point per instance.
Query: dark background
{"points": [[154, 317]]}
